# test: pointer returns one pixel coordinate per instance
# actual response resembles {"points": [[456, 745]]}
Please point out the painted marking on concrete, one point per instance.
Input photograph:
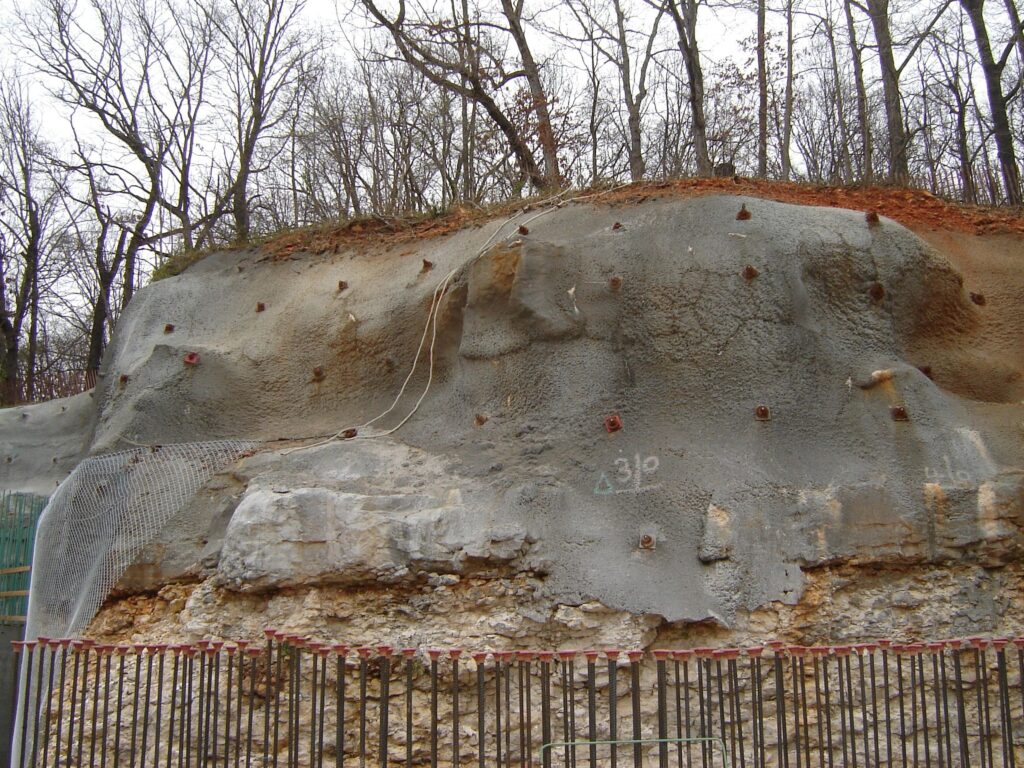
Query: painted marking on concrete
{"points": [[629, 476], [948, 474]]}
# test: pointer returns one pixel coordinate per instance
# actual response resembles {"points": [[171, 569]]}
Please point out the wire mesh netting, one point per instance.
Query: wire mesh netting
{"points": [[99, 520], [102, 516]]}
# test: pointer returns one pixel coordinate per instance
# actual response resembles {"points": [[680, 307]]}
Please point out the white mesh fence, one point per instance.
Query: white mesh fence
{"points": [[97, 523]]}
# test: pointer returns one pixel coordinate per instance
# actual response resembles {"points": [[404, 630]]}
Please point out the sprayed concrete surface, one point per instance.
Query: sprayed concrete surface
{"points": [[798, 391], [40, 444]]}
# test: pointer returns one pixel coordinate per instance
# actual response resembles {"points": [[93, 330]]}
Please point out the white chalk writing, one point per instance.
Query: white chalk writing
{"points": [[948, 474], [631, 475]]}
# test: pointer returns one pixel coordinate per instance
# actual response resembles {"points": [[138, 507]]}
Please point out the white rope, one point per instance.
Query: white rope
{"points": [[549, 205]]}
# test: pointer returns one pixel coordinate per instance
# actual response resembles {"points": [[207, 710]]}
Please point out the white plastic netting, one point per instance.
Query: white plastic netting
{"points": [[96, 524], [102, 516]]}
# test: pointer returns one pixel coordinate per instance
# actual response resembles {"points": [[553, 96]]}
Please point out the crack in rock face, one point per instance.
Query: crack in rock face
{"points": [[759, 438]]}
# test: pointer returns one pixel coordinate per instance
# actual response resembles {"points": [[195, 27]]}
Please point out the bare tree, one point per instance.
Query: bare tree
{"points": [[262, 50], [953, 86], [513, 12], [431, 44], [21, 234], [608, 27], [993, 69], [866, 137], [113, 62], [684, 15], [879, 13], [762, 90]]}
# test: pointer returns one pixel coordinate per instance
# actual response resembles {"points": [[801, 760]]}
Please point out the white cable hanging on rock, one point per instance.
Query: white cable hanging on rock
{"points": [[546, 207]]}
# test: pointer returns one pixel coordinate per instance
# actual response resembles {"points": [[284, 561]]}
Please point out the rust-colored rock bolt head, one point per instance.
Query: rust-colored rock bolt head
{"points": [[615, 283], [348, 434], [763, 413], [318, 375], [743, 214], [876, 291], [612, 423], [260, 306], [342, 285], [871, 217], [978, 298], [123, 379], [523, 230], [191, 358], [427, 265], [750, 272], [480, 419], [899, 413], [617, 225], [646, 541], [169, 328]]}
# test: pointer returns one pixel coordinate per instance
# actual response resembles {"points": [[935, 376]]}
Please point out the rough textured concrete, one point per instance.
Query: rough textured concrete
{"points": [[697, 509], [40, 444]]}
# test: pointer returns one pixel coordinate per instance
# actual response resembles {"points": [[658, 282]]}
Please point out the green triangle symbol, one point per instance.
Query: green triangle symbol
{"points": [[604, 486]]}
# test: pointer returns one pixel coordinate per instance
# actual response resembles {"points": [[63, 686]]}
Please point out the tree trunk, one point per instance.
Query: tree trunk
{"points": [[548, 145], [636, 159], [31, 359], [787, 114], [926, 138], [98, 326], [969, 190], [862, 97], [592, 122], [762, 93], [844, 132], [1015, 27], [686, 28], [9, 362], [101, 308], [240, 205], [467, 159], [899, 171], [993, 71]]}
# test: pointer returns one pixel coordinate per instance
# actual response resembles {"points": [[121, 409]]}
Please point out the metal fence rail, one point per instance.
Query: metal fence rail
{"points": [[19, 514], [290, 701], [46, 386]]}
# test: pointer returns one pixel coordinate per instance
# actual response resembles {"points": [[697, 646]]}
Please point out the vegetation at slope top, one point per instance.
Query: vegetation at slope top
{"points": [[914, 208]]}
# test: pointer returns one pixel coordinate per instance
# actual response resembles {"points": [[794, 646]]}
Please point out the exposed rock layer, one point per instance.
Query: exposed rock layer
{"points": [[844, 406]]}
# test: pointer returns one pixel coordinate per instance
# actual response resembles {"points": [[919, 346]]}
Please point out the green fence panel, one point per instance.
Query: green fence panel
{"points": [[19, 515]]}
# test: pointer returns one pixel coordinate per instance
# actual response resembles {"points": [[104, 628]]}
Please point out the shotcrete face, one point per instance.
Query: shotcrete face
{"points": [[666, 408]]}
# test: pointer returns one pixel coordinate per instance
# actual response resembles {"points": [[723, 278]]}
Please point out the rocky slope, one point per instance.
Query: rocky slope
{"points": [[645, 422]]}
